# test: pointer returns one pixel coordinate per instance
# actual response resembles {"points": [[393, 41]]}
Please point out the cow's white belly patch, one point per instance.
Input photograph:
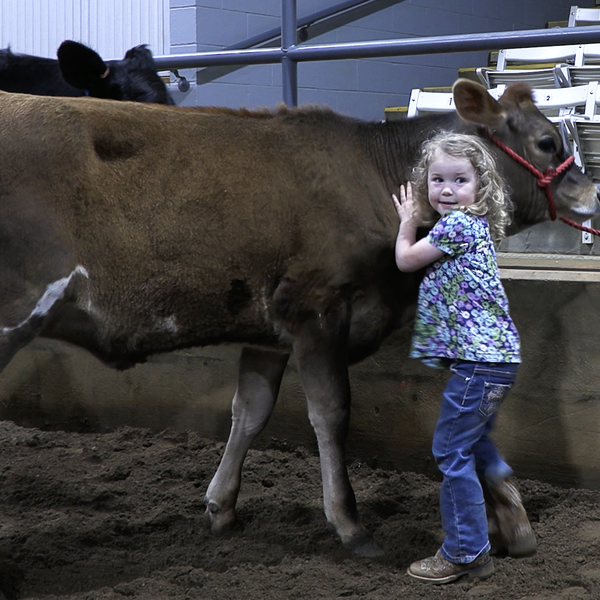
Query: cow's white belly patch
{"points": [[54, 291], [169, 324]]}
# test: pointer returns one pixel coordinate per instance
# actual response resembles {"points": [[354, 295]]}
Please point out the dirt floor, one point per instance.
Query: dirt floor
{"points": [[119, 515]]}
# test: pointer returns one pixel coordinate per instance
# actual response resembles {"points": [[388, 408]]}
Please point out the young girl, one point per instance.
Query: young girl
{"points": [[463, 322]]}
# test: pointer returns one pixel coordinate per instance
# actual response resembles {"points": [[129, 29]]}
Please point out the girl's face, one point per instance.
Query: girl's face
{"points": [[451, 182]]}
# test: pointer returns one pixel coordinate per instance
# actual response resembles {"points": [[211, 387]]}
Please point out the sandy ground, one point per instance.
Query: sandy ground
{"points": [[119, 515]]}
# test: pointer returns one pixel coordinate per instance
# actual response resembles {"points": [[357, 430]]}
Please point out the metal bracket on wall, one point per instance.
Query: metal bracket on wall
{"points": [[182, 83], [586, 237]]}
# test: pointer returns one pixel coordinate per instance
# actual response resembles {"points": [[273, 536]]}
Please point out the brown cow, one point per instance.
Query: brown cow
{"points": [[130, 229]]}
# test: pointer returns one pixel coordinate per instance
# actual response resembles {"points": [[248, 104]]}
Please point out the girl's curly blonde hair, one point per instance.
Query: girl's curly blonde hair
{"points": [[492, 197]]}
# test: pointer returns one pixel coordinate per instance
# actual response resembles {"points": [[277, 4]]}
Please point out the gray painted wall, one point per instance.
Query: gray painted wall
{"points": [[360, 88]]}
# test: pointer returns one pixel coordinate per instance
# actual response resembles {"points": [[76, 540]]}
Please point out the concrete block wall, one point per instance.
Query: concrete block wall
{"points": [[360, 88]]}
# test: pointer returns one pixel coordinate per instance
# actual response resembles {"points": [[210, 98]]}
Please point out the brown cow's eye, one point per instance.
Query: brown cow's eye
{"points": [[547, 144]]}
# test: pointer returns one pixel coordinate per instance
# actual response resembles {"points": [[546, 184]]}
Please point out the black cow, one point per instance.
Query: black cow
{"points": [[79, 71]]}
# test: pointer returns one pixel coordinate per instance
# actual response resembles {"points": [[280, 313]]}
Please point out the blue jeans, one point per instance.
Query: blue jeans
{"points": [[464, 453]]}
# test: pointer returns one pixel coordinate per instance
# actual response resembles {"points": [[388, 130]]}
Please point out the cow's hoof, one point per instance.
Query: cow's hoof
{"points": [[364, 544], [218, 520]]}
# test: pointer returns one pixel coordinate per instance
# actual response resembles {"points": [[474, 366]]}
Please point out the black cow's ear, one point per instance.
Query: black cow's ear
{"points": [[473, 103], [80, 66]]}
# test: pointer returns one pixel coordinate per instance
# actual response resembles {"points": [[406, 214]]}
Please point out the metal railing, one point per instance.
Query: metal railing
{"points": [[289, 54]]}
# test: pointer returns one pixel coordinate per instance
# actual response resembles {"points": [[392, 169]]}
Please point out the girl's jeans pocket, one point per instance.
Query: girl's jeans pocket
{"points": [[493, 396]]}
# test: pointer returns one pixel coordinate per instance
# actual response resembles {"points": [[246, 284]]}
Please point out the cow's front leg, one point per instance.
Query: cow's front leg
{"points": [[321, 352], [259, 378]]}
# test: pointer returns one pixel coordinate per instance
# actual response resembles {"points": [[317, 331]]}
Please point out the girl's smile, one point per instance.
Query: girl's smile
{"points": [[451, 182]]}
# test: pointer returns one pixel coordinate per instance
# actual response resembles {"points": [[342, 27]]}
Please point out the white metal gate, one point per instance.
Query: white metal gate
{"points": [[109, 26]]}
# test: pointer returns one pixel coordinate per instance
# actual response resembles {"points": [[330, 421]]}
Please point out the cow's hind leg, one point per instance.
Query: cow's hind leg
{"points": [[11, 344], [321, 352], [13, 337], [22, 321], [259, 378]]}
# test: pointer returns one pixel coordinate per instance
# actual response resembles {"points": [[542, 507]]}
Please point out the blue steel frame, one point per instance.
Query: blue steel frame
{"points": [[290, 54]]}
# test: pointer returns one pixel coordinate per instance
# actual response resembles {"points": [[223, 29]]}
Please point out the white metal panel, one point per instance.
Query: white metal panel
{"points": [[111, 27]]}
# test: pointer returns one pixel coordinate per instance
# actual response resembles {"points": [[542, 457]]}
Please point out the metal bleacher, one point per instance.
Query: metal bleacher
{"points": [[544, 67]]}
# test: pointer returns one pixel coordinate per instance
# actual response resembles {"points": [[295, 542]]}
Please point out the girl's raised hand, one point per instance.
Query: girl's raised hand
{"points": [[404, 206]]}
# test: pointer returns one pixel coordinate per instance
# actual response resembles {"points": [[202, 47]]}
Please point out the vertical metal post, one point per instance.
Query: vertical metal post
{"points": [[289, 67]]}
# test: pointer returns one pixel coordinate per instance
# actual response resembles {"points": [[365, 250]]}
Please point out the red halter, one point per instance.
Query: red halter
{"points": [[543, 180]]}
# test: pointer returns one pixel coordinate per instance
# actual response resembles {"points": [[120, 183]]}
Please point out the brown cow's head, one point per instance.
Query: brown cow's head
{"points": [[517, 122]]}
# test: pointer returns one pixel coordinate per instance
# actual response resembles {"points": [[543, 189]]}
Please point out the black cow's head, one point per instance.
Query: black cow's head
{"points": [[133, 78]]}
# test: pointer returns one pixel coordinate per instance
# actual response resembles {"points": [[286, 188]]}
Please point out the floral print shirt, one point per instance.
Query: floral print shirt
{"points": [[463, 309]]}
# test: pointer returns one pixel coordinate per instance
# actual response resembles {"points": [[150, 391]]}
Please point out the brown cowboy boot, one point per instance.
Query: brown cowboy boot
{"points": [[510, 529], [436, 569]]}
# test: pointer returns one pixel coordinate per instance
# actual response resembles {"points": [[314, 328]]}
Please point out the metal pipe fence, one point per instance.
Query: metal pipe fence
{"points": [[289, 54]]}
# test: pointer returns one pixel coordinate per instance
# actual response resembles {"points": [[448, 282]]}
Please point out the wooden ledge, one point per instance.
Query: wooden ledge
{"points": [[549, 267]]}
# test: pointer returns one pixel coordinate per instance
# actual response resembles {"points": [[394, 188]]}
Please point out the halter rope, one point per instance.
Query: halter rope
{"points": [[543, 180]]}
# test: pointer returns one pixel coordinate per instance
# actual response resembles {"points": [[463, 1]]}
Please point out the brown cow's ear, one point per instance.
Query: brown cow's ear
{"points": [[473, 103], [517, 93]]}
